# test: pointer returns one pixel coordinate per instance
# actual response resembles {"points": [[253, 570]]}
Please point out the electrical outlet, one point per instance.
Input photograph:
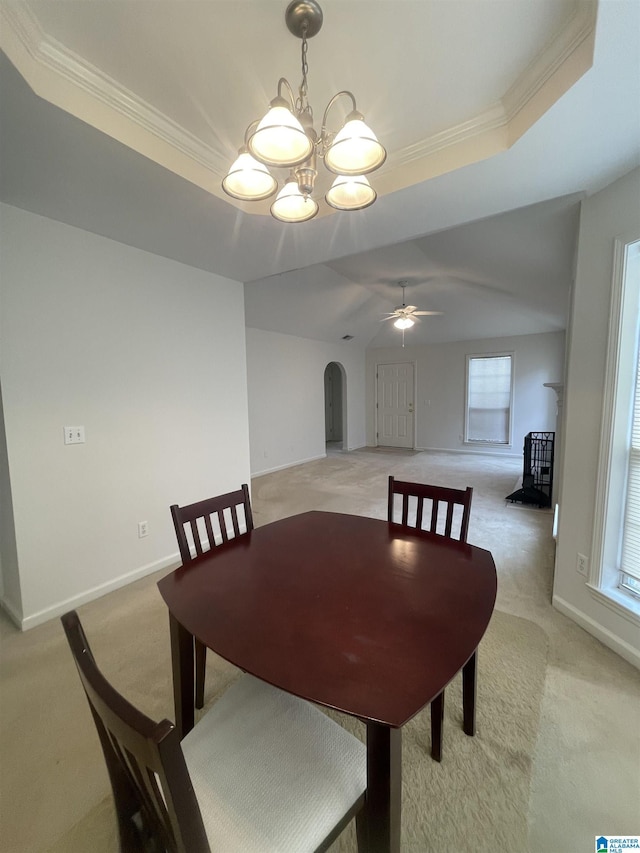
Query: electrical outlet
{"points": [[582, 565], [73, 435], [143, 529]]}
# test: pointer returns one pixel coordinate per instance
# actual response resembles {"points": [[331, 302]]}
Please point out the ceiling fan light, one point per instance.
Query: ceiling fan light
{"points": [[249, 180], [350, 192], [291, 205], [355, 149], [403, 323], [279, 139]]}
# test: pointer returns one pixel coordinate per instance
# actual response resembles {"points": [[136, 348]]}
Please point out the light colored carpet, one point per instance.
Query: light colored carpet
{"points": [[484, 780], [490, 773], [556, 760]]}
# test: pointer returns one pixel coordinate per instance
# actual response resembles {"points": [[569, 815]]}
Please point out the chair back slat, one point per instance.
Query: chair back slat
{"points": [[195, 535], [447, 529], [434, 516], [222, 527], [154, 797], [447, 507], [234, 520], [153, 804], [212, 521], [211, 536]]}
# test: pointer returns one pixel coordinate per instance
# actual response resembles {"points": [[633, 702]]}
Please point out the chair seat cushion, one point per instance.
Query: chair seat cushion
{"points": [[271, 772]]}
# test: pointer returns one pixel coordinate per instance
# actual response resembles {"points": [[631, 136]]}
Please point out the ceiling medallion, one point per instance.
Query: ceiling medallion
{"points": [[285, 138]]}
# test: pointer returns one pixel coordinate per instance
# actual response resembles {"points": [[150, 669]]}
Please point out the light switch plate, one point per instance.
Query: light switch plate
{"points": [[74, 435]]}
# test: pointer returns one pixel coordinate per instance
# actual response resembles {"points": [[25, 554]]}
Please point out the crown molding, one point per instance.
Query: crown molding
{"points": [[491, 119], [96, 98], [540, 73], [567, 42], [48, 55]]}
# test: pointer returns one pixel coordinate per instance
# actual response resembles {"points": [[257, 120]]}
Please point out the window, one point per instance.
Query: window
{"points": [[489, 398], [616, 539], [630, 560]]}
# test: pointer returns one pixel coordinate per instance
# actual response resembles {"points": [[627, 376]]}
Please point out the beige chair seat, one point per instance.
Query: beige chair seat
{"points": [[249, 806], [261, 772]]}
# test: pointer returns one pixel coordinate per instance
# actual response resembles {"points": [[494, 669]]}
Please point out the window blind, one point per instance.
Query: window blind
{"points": [[489, 399], [630, 562]]}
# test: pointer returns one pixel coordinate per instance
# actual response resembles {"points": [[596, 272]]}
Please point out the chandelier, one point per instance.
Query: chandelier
{"points": [[285, 138]]}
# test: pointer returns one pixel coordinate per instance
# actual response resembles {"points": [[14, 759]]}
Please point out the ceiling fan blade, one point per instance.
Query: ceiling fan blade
{"points": [[408, 312]]}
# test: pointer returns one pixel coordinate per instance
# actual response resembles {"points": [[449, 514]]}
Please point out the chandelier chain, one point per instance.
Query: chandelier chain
{"points": [[302, 104]]}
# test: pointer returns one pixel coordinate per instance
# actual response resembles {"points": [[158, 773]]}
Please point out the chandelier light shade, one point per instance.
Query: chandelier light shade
{"points": [[351, 192], [355, 149], [291, 205], [285, 139], [249, 180], [279, 139]]}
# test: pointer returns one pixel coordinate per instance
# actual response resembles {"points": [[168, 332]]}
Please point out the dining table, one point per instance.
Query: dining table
{"points": [[357, 614]]}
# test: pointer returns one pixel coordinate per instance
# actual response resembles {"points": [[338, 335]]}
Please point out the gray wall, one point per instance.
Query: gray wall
{"points": [[286, 397], [612, 213], [441, 387], [149, 356]]}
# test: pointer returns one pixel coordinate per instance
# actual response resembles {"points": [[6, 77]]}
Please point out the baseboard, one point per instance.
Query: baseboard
{"points": [[35, 619], [287, 465], [612, 641], [469, 452]]}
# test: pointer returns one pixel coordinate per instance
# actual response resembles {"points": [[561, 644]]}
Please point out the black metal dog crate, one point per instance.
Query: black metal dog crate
{"points": [[537, 475]]}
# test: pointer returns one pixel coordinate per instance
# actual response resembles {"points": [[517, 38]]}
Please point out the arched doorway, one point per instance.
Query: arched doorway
{"points": [[335, 406]]}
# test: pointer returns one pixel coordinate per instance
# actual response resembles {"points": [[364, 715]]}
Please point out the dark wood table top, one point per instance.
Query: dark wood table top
{"points": [[353, 613]]}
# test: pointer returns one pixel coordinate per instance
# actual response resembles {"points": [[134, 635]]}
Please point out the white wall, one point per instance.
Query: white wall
{"points": [[286, 398], [149, 356], [613, 212], [441, 381]]}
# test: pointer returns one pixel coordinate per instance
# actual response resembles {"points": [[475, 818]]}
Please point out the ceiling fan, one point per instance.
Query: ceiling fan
{"points": [[405, 316]]}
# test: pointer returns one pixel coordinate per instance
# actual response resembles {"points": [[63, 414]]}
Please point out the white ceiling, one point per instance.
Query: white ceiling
{"points": [[493, 127], [506, 275]]}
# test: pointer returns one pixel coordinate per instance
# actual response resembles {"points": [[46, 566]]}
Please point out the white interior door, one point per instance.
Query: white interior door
{"points": [[395, 405]]}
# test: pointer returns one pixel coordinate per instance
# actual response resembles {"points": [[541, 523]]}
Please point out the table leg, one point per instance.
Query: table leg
{"points": [[384, 788], [183, 681], [469, 690], [437, 721]]}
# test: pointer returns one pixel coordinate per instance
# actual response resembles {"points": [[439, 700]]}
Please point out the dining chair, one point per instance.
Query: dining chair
{"points": [[204, 525], [446, 513], [262, 771]]}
